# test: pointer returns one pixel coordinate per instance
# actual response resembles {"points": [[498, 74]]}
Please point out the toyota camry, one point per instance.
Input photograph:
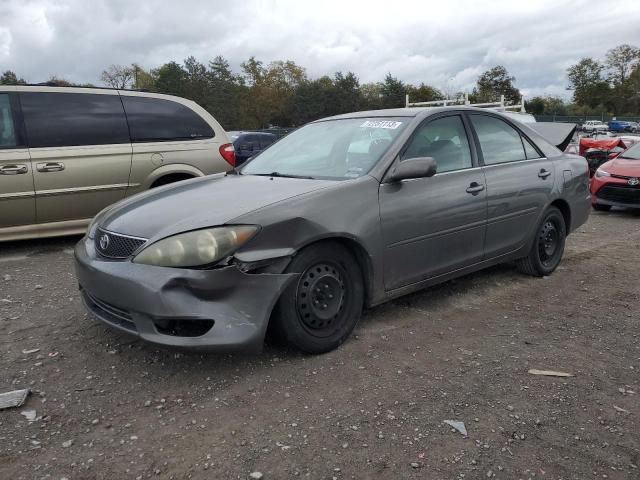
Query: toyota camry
{"points": [[344, 213]]}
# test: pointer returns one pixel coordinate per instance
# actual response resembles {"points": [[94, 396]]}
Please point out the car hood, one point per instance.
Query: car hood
{"points": [[622, 166], [200, 203]]}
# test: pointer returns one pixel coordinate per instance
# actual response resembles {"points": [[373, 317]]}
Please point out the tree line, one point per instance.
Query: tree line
{"points": [[281, 93]]}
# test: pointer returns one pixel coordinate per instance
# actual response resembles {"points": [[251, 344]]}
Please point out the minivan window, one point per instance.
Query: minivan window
{"points": [[159, 120], [7, 131], [499, 141], [56, 119]]}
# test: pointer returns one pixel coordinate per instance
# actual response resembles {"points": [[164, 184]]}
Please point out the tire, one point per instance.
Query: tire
{"points": [[319, 311], [548, 245], [601, 208]]}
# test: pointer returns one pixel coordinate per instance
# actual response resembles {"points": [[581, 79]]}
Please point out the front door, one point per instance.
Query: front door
{"points": [[80, 150], [431, 226], [519, 182], [17, 202]]}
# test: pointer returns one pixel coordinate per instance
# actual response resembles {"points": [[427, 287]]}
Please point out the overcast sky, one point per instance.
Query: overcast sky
{"points": [[444, 43]]}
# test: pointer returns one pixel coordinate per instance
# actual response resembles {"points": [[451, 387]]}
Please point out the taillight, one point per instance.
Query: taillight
{"points": [[228, 153]]}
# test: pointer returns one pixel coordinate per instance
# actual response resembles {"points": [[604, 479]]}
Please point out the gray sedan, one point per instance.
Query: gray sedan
{"points": [[344, 213]]}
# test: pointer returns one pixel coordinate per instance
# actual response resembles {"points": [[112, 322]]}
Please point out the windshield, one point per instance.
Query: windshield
{"points": [[334, 149], [632, 153]]}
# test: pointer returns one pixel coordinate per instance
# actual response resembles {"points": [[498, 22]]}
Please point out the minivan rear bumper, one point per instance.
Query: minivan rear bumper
{"points": [[221, 309]]}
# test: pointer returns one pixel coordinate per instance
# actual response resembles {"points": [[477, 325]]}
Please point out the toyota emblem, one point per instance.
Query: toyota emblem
{"points": [[633, 181], [104, 241]]}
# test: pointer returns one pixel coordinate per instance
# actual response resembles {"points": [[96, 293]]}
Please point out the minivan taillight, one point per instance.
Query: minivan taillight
{"points": [[228, 153]]}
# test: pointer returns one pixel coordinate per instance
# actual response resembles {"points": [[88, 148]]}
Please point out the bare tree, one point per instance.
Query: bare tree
{"points": [[621, 60], [118, 76]]}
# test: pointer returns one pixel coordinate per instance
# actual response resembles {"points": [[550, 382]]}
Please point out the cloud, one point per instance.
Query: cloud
{"points": [[446, 44]]}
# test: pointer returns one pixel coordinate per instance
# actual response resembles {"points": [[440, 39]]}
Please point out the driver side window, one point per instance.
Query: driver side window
{"points": [[444, 139]]}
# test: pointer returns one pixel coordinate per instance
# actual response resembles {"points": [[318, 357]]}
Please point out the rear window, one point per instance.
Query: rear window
{"points": [[69, 119], [160, 120]]}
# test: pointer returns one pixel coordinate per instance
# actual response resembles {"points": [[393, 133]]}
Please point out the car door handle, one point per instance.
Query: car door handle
{"points": [[50, 167], [13, 169], [544, 173], [475, 188]]}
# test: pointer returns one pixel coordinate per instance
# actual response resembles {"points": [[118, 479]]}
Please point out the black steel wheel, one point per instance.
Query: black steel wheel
{"points": [[547, 247], [320, 297], [318, 311]]}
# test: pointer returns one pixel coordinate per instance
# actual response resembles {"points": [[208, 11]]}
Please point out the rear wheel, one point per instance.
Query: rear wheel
{"points": [[548, 245], [601, 208], [319, 311]]}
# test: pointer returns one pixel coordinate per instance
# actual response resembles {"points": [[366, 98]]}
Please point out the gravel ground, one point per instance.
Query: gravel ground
{"points": [[110, 407]]}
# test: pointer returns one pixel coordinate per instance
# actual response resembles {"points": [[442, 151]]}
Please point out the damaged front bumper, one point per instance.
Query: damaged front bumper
{"points": [[219, 309]]}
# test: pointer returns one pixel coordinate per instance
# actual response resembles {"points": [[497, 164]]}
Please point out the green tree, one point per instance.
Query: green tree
{"points": [[588, 85], [348, 97], [535, 105], [170, 78], [10, 78], [423, 93], [393, 92], [371, 95], [495, 82]]}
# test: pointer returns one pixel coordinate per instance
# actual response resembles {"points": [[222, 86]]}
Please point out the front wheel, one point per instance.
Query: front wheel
{"points": [[548, 245], [318, 312]]}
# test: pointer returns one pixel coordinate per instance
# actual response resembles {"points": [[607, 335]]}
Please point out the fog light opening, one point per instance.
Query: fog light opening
{"points": [[183, 327]]}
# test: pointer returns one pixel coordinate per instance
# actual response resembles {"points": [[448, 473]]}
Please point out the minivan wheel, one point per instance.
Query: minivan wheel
{"points": [[319, 311], [548, 245]]}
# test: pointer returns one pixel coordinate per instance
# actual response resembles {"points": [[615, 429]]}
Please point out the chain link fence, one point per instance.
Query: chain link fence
{"points": [[579, 119]]}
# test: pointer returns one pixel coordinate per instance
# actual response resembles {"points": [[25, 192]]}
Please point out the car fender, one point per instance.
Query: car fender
{"points": [[170, 169]]}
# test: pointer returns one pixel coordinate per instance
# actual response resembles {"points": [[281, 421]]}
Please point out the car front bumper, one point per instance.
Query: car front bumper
{"points": [[161, 305], [615, 192]]}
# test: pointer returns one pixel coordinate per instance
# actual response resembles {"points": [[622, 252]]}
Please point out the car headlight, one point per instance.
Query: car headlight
{"points": [[197, 248], [602, 173]]}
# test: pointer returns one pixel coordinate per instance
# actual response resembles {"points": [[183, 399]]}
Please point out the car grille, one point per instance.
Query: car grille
{"points": [[115, 245], [109, 313], [620, 194]]}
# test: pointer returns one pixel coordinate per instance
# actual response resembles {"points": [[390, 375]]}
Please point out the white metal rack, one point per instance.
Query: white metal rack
{"points": [[500, 106]]}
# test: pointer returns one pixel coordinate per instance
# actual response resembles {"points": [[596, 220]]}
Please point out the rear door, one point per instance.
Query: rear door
{"points": [[17, 197], [80, 149], [432, 226], [519, 183]]}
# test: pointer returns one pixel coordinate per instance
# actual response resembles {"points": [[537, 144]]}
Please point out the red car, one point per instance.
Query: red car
{"points": [[617, 182]]}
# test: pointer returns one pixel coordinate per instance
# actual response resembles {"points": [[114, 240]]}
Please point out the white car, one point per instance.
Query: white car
{"points": [[594, 126]]}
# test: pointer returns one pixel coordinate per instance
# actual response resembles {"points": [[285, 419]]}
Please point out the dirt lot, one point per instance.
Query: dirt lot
{"points": [[110, 407]]}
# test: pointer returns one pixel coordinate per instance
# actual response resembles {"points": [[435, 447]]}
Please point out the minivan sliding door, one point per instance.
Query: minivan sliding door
{"points": [[17, 202], [81, 152]]}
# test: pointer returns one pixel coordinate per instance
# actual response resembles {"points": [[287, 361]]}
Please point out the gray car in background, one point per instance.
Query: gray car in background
{"points": [[345, 213]]}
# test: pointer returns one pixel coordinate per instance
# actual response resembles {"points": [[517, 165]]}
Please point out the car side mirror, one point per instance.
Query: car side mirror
{"points": [[420, 167]]}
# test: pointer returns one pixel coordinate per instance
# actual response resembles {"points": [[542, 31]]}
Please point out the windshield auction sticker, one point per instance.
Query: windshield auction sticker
{"points": [[381, 124]]}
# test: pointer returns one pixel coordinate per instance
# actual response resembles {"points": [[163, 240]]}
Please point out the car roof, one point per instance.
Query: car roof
{"points": [[91, 90], [262, 134], [408, 112]]}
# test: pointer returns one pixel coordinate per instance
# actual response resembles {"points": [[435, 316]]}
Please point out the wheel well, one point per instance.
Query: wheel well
{"points": [[361, 256], [563, 206], [170, 178]]}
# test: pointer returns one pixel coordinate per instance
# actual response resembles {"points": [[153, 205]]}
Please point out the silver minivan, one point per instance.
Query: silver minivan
{"points": [[66, 153]]}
